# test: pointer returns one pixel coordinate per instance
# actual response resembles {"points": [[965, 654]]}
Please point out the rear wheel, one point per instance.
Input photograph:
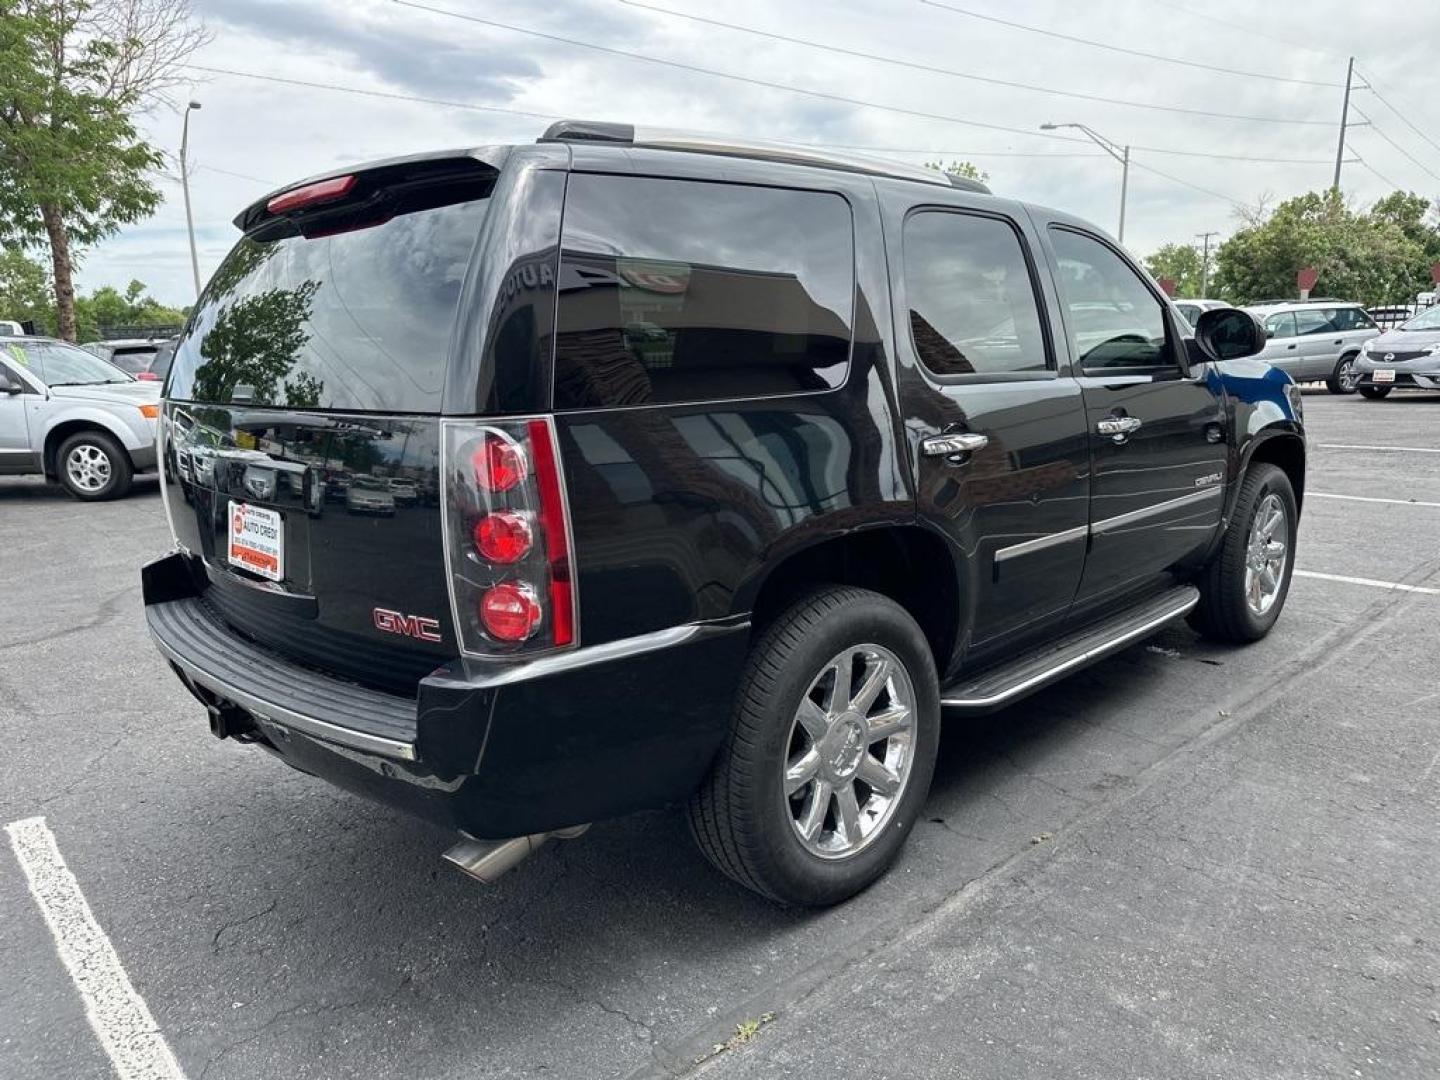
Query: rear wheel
{"points": [[93, 466], [1244, 587], [1375, 393], [1344, 379], [830, 752]]}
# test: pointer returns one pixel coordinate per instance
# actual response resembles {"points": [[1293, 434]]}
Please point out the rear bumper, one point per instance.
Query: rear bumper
{"points": [[500, 752]]}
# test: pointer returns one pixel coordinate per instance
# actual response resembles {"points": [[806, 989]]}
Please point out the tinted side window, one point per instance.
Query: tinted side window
{"points": [[971, 299], [680, 290], [1315, 321], [1352, 319], [1113, 320], [1282, 325]]}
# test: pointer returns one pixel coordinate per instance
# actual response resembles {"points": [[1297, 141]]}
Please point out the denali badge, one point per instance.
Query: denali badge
{"points": [[416, 626], [1206, 481]]}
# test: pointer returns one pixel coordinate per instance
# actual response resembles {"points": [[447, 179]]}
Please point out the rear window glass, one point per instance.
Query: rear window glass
{"points": [[679, 290], [132, 360], [972, 304], [357, 321]]}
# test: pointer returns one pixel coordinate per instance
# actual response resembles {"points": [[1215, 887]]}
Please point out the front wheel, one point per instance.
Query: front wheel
{"points": [[1344, 379], [93, 466], [1244, 587], [1375, 393], [830, 752]]}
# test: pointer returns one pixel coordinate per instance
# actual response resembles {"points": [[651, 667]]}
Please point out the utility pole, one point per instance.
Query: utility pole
{"points": [[1205, 262], [1344, 119], [185, 187]]}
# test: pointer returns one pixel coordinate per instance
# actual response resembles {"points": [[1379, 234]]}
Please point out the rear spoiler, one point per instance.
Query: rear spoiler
{"points": [[372, 192]]}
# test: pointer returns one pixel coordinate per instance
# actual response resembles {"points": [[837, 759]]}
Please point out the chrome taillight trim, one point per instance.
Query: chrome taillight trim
{"points": [[478, 425]]}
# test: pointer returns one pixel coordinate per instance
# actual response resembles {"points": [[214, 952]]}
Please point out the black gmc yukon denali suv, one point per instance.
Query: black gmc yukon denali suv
{"points": [[527, 486]]}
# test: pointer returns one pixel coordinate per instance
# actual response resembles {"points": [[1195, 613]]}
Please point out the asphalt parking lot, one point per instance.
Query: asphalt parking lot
{"points": [[1187, 861]]}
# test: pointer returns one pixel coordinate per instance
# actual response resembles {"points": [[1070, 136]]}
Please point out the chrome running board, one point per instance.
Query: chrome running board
{"points": [[998, 686]]}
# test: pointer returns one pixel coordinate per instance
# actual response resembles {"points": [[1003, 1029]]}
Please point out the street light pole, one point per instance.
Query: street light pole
{"points": [[185, 186], [1115, 150]]}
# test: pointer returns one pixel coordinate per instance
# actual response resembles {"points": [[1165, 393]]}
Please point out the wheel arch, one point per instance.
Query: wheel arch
{"points": [[1283, 448], [910, 564], [61, 431]]}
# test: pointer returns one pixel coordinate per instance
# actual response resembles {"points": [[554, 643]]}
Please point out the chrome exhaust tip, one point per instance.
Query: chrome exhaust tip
{"points": [[489, 860]]}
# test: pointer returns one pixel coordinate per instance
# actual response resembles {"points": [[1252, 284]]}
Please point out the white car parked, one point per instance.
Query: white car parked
{"points": [[1316, 339], [73, 417]]}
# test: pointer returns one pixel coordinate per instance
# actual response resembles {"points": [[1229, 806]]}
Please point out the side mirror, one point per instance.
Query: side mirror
{"points": [[1229, 334], [1269, 332]]}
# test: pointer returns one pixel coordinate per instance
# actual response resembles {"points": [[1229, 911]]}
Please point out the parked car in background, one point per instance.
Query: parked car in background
{"points": [[369, 495], [1316, 340], [9, 328], [71, 416], [755, 461], [1406, 357], [147, 359], [1193, 309]]}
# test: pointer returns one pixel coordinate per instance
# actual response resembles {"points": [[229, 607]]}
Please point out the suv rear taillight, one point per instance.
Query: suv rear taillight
{"points": [[507, 538]]}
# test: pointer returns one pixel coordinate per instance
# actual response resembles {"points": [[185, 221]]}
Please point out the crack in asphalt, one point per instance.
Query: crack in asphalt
{"points": [[215, 941], [106, 611]]}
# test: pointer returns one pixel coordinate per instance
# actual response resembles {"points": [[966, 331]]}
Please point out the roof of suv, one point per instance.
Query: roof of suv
{"points": [[584, 131]]}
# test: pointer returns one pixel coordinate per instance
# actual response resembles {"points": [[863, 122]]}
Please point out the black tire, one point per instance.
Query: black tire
{"points": [[1223, 613], [741, 817], [104, 454], [1375, 393], [1344, 367]]}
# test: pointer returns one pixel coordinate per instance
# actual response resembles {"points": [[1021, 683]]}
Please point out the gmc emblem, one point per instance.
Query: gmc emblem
{"points": [[416, 626]]}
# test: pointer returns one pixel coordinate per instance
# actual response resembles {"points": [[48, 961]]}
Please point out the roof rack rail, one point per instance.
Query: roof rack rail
{"points": [[594, 131]]}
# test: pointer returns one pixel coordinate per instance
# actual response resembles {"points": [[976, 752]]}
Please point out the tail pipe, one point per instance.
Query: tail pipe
{"points": [[488, 860]]}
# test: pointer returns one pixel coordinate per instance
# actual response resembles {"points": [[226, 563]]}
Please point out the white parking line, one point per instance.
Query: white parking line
{"points": [[1393, 585], [1396, 449], [1370, 499], [118, 1015]]}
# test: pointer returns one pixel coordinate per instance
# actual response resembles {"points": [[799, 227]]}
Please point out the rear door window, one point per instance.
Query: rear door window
{"points": [[680, 290], [1282, 325], [354, 321], [970, 295], [1315, 321]]}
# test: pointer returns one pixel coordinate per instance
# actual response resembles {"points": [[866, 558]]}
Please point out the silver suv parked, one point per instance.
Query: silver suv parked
{"points": [[1315, 340], [74, 417]]}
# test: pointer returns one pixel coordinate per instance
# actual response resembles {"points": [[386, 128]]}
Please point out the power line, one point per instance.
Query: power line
{"points": [[1412, 158], [1370, 85], [822, 94], [1383, 178], [366, 93], [1249, 31], [913, 65], [1175, 179], [1125, 51]]}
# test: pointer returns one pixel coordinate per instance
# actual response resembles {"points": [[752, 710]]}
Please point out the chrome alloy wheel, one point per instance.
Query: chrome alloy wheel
{"points": [[1265, 554], [1348, 377], [850, 751], [88, 467]]}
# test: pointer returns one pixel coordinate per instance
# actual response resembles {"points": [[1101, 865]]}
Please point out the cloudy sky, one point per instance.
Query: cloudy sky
{"points": [[493, 83]]}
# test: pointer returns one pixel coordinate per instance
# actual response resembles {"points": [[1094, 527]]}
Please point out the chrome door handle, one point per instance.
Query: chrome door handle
{"points": [[962, 442], [1117, 427]]}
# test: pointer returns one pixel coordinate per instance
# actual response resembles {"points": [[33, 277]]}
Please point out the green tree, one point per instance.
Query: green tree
{"points": [[73, 75], [1374, 256], [1180, 263], [254, 342], [968, 169], [24, 288], [107, 308]]}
